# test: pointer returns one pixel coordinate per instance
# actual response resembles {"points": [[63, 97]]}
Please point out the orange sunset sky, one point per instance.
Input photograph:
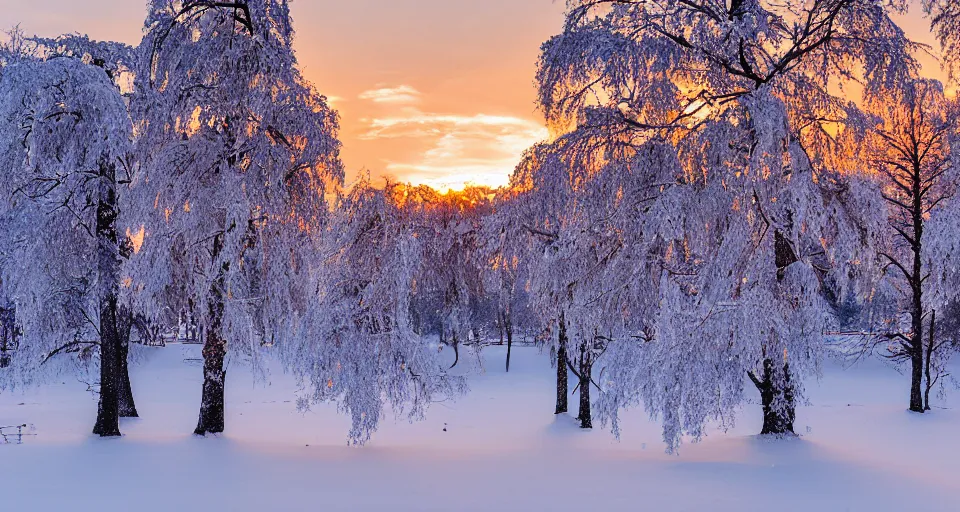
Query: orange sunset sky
{"points": [[438, 92]]}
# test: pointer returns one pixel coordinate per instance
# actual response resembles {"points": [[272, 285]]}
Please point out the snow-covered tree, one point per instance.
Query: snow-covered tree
{"points": [[945, 19], [118, 61], [236, 150], [503, 245], [359, 347], [911, 151], [741, 222], [453, 263], [541, 184], [579, 199], [65, 145]]}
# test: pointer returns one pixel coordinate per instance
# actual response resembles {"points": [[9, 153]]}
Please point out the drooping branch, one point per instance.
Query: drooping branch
{"points": [[67, 347]]}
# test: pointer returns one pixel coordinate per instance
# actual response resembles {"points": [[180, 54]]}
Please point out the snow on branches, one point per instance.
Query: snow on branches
{"points": [[738, 220], [236, 150], [66, 136], [360, 347]]}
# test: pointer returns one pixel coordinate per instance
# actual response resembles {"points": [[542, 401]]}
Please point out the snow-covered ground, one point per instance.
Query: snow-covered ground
{"points": [[502, 450]]}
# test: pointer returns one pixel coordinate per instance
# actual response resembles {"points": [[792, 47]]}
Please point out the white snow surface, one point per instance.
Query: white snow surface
{"points": [[502, 450]]}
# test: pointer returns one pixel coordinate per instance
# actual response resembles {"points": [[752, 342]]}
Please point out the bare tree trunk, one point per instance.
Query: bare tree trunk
{"points": [[930, 348], [500, 325], [779, 409], [214, 376], [456, 350], [916, 284], [7, 330], [586, 365], [916, 354], [108, 270], [125, 403], [562, 370], [417, 322], [108, 413], [508, 328], [214, 351], [916, 380]]}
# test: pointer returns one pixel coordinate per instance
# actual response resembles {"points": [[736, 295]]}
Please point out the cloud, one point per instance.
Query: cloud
{"points": [[333, 101], [414, 123], [400, 95], [480, 149]]}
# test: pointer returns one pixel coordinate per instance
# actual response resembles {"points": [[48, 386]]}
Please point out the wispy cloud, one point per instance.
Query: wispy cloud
{"points": [[333, 101], [400, 95], [480, 149], [414, 123]]}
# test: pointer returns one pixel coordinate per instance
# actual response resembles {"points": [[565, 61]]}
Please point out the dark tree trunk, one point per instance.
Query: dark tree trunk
{"points": [[456, 351], [779, 409], [916, 357], [586, 365], [125, 402], [500, 326], [417, 321], [562, 370], [914, 167], [214, 377], [6, 336], [916, 284], [927, 363], [108, 412], [214, 351], [776, 419], [508, 328], [108, 270]]}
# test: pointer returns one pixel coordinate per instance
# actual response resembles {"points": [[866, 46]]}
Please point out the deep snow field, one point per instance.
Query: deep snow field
{"points": [[503, 450]]}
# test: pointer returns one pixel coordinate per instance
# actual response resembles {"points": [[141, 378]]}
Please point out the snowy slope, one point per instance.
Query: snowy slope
{"points": [[502, 450]]}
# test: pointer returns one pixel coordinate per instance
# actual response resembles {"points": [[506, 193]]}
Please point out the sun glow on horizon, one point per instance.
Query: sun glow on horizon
{"points": [[458, 150]]}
